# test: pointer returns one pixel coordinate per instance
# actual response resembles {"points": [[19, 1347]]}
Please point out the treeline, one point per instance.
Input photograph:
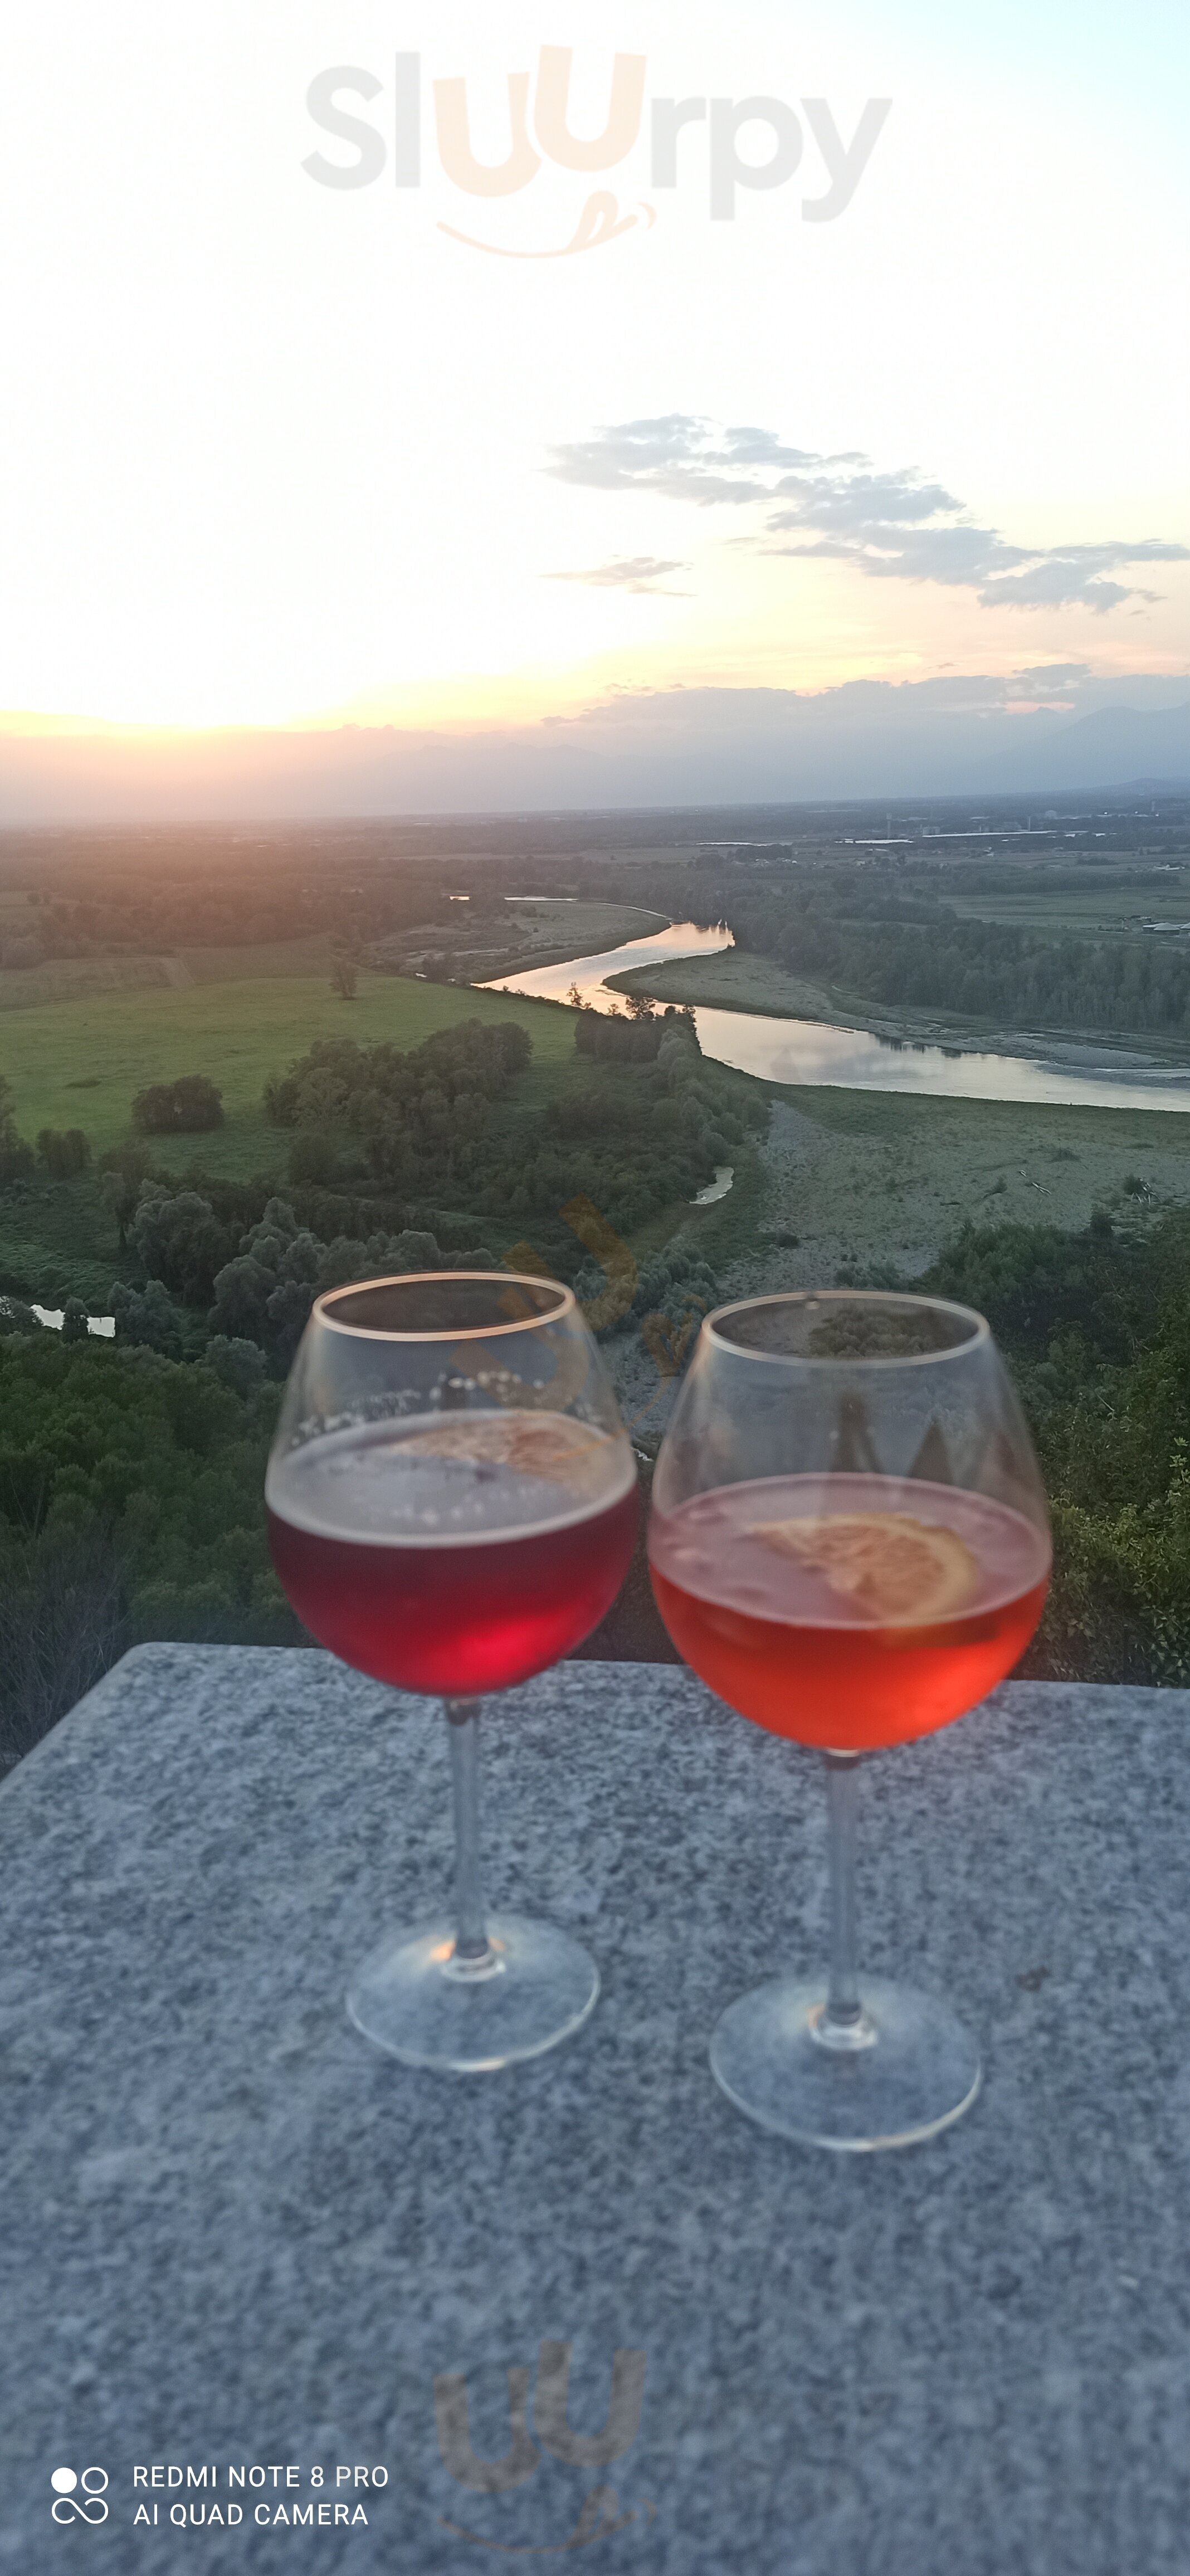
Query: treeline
{"points": [[1004, 879], [130, 1507], [609, 1039], [226, 905], [878, 949], [253, 1287], [150, 894], [1096, 1329]]}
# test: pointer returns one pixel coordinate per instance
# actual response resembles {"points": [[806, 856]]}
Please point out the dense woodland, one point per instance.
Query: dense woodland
{"points": [[117, 905], [881, 942], [426, 1122]]}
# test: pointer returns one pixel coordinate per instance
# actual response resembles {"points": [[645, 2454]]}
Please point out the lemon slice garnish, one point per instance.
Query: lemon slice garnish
{"points": [[892, 1568]]}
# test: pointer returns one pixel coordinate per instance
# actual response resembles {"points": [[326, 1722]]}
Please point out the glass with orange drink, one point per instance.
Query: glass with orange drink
{"points": [[850, 1545]]}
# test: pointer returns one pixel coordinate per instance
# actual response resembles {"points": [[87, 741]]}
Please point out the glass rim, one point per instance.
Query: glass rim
{"points": [[981, 1331], [321, 1308]]}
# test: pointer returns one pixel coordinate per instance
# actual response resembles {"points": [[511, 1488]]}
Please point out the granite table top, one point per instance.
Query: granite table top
{"points": [[237, 2238]]}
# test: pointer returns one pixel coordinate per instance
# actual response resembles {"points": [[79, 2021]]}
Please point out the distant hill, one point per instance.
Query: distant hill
{"points": [[696, 746], [1114, 747]]}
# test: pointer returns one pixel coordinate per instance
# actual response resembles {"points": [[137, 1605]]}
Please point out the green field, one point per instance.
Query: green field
{"points": [[78, 1064], [74, 979], [1090, 911]]}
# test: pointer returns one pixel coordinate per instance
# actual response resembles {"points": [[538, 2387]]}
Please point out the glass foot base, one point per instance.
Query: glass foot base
{"points": [[414, 1998], [910, 2071]]}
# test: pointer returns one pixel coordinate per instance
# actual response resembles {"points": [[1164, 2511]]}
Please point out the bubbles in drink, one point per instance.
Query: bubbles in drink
{"points": [[443, 1478]]}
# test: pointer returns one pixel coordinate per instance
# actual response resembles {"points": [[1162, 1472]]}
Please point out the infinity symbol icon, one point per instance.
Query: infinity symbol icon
{"points": [[90, 2506]]}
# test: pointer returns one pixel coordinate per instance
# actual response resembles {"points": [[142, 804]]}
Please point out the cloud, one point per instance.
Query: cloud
{"points": [[892, 525], [632, 572]]}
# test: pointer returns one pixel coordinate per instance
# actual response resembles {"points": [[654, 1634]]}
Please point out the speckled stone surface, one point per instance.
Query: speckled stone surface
{"points": [[235, 2234]]}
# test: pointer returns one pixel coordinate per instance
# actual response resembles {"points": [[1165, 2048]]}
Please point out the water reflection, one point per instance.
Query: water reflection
{"points": [[813, 1051], [553, 983], [810, 1051]]}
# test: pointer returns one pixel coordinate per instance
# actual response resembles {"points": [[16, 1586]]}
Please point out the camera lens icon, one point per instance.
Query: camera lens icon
{"points": [[78, 2498]]}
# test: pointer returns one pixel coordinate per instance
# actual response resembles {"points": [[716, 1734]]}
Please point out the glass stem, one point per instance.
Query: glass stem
{"points": [[842, 2023], [471, 1948]]}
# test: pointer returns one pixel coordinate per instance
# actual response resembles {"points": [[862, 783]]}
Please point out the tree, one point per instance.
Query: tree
{"points": [[239, 1365], [147, 1317], [16, 1158], [177, 1238], [574, 997], [344, 974], [75, 1327], [191, 1106], [124, 1168], [242, 1292], [63, 1153]]}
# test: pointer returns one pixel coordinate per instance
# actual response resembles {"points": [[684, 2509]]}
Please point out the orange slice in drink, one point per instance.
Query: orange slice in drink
{"points": [[551, 1445], [891, 1568]]}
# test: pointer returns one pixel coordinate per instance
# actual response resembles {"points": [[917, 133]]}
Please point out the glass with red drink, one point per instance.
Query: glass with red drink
{"points": [[452, 1505], [849, 1542]]}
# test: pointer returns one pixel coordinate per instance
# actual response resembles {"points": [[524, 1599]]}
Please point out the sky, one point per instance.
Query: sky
{"points": [[416, 410]]}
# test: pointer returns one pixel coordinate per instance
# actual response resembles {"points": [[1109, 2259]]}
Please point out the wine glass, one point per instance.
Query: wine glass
{"points": [[849, 1542], [452, 1504]]}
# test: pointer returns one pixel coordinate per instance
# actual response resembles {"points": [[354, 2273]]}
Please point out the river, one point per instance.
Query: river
{"points": [[813, 1051]]}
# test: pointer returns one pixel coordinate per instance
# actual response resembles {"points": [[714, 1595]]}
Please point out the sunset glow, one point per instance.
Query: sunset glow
{"points": [[290, 455]]}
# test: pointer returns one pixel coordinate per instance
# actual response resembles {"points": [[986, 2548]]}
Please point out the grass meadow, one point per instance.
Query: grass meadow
{"points": [[79, 1063]]}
